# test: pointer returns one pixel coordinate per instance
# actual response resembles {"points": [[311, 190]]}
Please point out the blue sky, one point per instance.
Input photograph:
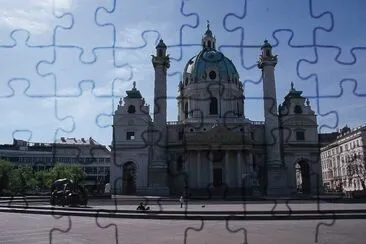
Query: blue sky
{"points": [[61, 77]]}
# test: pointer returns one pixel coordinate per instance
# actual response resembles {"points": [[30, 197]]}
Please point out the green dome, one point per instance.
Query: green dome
{"points": [[200, 66]]}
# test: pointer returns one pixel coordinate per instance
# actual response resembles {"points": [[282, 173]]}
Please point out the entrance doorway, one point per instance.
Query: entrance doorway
{"points": [[303, 177], [217, 177], [129, 178]]}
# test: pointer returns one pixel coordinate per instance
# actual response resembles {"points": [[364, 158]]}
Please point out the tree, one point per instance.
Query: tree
{"points": [[5, 170], [22, 179], [356, 168], [60, 171]]}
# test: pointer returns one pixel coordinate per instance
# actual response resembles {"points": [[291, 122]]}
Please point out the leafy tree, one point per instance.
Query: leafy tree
{"points": [[42, 178], [22, 180], [5, 170], [356, 168], [72, 172]]}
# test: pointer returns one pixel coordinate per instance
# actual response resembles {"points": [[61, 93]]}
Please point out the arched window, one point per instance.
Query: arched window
{"points": [[297, 109], [131, 109], [209, 44], [186, 110], [213, 105]]}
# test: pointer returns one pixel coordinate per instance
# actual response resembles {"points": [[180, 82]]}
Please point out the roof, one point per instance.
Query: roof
{"points": [[134, 93]]}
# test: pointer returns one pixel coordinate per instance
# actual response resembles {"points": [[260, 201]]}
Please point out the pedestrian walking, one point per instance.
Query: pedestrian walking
{"points": [[181, 201]]}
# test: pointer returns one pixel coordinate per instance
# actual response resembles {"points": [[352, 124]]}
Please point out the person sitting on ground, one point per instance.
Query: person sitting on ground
{"points": [[142, 207]]}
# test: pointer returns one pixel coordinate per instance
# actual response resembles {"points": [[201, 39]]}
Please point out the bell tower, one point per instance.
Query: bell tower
{"points": [[276, 170]]}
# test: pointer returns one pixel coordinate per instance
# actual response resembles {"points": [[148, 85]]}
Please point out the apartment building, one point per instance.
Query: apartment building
{"points": [[346, 150], [93, 157]]}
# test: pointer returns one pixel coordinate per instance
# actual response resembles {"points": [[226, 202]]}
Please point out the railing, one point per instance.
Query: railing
{"points": [[257, 122], [180, 122], [173, 122]]}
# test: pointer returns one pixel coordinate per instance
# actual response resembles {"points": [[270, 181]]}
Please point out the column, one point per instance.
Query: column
{"points": [[227, 171], [250, 169], [188, 168], [210, 168], [250, 162], [198, 162], [238, 168]]}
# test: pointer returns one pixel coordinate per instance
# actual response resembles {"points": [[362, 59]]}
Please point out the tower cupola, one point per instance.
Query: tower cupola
{"points": [[267, 58], [208, 40], [161, 49]]}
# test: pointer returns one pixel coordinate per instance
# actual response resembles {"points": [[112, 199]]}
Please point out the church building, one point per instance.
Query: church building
{"points": [[213, 148]]}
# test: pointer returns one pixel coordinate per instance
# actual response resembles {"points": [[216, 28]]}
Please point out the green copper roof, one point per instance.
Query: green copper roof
{"points": [[134, 93], [197, 65]]}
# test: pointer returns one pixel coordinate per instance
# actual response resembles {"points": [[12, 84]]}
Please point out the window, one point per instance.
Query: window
{"points": [[213, 105], [212, 75], [298, 109], [186, 110], [209, 44], [300, 135], [131, 109], [130, 136], [268, 53], [160, 52]]}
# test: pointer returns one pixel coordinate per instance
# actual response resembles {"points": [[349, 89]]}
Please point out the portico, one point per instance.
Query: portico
{"points": [[228, 167]]}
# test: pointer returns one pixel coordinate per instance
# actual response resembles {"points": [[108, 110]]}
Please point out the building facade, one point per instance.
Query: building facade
{"points": [[343, 165], [213, 145], [93, 157]]}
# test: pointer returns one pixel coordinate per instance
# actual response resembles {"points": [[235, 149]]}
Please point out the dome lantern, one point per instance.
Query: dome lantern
{"points": [[208, 40]]}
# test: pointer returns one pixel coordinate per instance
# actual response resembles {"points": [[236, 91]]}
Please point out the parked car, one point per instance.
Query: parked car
{"points": [[66, 192]]}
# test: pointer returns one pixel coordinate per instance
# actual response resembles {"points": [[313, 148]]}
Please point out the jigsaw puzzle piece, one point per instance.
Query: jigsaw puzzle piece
{"points": [[47, 126], [15, 53], [212, 20], [34, 17], [344, 19], [201, 234], [125, 37], [329, 80], [84, 108], [264, 12], [84, 26], [139, 62], [347, 114], [105, 75], [64, 229]]}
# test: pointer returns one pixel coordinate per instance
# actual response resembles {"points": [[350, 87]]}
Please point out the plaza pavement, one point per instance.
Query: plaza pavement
{"points": [[33, 228], [19, 229]]}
